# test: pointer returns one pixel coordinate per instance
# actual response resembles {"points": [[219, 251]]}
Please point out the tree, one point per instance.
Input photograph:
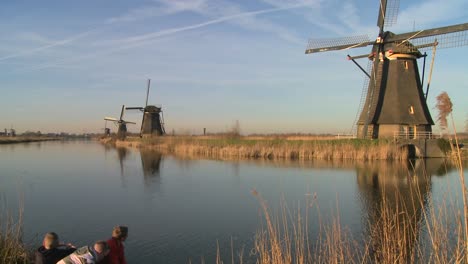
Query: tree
{"points": [[444, 105]]}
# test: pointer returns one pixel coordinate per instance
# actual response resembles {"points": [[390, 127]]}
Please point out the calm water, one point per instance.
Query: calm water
{"points": [[179, 209]]}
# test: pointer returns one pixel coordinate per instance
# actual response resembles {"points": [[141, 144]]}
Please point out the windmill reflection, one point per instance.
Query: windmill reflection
{"points": [[122, 154], [151, 164], [393, 200]]}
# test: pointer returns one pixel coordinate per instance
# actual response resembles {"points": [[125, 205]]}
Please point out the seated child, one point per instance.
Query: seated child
{"points": [[87, 254], [51, 251]]}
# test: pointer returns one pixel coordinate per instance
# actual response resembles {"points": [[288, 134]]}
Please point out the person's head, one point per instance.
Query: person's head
{"points": [[120, 232], [51, 240], [101, 248]]}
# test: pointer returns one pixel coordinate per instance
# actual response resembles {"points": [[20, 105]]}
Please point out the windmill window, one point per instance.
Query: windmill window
{"points": [[411, 110], [406, 65]]}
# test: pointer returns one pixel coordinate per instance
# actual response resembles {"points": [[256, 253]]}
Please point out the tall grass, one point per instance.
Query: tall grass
{"points": [[246, 148], [400, 229], [445, 107], [12, 248]]}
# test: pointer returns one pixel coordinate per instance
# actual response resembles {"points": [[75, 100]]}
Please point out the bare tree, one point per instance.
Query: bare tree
{"points": [[444, 105]]}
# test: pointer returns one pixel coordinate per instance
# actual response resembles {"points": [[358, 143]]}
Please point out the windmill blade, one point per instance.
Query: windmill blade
{"points": [[381, 18], [122, 112], [134, 108], [428, 33], [128, 122], [147, 92], [321, 45], [450, 40], [110, 119], [388, 13]]}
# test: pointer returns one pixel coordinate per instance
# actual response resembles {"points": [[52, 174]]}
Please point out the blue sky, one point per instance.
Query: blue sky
{"points": [[67, 64]]}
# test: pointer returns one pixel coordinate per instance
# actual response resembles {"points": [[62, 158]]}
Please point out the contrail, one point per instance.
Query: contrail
{"points": [[142, 39], [210, 22], [55, 44]]}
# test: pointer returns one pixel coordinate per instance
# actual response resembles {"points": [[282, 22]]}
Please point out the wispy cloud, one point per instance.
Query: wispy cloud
{"points": [[135, 41], [48, 46], [35, 38], [159, 8], [239, 17]]}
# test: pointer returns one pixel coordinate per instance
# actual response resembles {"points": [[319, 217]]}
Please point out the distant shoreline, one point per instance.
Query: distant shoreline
{"points": [[19, 139]]}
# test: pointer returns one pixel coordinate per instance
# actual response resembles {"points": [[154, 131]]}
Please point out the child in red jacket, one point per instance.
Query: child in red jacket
{"points": [[117, 252]]}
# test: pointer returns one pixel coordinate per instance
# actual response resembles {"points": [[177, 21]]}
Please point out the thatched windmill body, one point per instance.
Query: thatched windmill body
{"points": [[152, 123], [121, 123], [394, 101]]}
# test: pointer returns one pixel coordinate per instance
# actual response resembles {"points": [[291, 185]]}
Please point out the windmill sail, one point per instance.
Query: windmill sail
{"points": [[321, 45], [388, 13]]}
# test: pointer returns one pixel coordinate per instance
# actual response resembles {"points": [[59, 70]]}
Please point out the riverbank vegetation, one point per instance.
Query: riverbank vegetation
{"points": [[269, 147], [25, 139], [12, 248]]}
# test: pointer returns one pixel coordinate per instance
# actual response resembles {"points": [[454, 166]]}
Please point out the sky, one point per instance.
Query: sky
{"points": [[65, 65]]}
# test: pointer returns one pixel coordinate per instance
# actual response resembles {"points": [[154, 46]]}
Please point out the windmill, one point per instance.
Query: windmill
{"points": [[153, 119], [122, 124], [394, 99]]}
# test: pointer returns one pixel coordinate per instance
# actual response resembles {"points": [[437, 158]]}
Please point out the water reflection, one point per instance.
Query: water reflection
{"points": [[151, 164], [122, 154], [393, 198]]}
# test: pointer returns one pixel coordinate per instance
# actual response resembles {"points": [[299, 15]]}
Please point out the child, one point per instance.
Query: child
{"points": [[116, 246], [51, 251], [87, 255]]}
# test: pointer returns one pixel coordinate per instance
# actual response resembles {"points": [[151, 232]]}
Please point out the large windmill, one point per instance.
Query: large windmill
{"points": [[395, 102], [153, 119], [122, 124]]}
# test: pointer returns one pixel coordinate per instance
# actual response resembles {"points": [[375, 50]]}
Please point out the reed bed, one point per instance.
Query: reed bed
{"points": [[400, 230], [12, 248], [245, 148]]}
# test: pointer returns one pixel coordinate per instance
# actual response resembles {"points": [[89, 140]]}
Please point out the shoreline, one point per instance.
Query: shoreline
{"points": [[15, 140], [267, 148]]}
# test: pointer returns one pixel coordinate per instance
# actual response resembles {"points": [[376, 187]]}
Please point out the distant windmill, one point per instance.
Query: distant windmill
{"points": [[153, 119], [394, 99], [122, 124]]}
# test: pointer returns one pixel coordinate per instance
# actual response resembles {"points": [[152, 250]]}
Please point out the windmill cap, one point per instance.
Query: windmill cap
{"points": [[153, 108]]}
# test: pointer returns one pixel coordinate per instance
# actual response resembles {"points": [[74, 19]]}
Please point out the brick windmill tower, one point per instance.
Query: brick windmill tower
{"points": [[153, 119], [395, 102]]}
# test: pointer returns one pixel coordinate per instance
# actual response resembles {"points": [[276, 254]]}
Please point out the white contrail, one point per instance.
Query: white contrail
{"points": [[210, 22], [55, 44], [142, 39]]}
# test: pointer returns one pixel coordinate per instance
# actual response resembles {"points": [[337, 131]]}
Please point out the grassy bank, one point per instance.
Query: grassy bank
{"points": [[13, 140], [270, 148]]}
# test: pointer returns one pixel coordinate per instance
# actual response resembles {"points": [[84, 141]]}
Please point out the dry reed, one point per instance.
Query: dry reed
{"points": [[244, 148], [12, 249], [400, 230]]}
